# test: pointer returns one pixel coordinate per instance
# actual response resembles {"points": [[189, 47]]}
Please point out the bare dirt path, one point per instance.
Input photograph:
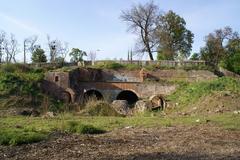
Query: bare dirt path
{"points": [[180, 142]]}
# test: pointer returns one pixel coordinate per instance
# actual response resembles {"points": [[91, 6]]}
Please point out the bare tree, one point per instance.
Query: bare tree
{"points": [[92, 56], [52, 44], [11, 48], [29, 44], [62, 50], [58, 50], [2, 41], [142, 21]]}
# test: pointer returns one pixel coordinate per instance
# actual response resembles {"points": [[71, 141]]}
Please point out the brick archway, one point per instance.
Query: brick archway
{"points": [[128, 95]]}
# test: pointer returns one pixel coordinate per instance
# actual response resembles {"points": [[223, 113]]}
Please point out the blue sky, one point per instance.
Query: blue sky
{"points": [[94, 24]]}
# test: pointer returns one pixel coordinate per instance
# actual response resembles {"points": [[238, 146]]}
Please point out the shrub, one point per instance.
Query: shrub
{"points": [[75, 127], [99, 108], [232, 63]]}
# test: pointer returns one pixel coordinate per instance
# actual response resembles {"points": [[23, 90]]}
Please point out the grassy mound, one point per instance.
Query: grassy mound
{"points": [[99, 108], [190, 93]]}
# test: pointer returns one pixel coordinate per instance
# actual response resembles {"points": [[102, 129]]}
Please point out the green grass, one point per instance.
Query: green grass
{"points": [[23, 130], [17, 137], [189, 93], [76, 127]]}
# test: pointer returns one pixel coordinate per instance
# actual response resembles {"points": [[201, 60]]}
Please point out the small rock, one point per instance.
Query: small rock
{"points": [[19, 126], [236, 112], [227, 93], [26, 112], [35, 113], [142, 106], [128, 127], [198, 120], [207, 121], [48, 115], [121, 106], [218, 111]]}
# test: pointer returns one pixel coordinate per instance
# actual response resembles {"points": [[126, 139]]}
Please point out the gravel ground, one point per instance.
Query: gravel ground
{"points": [[179, 142]]}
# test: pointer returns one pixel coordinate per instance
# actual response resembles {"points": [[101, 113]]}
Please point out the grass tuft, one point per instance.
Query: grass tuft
{"points": [[17, 137], [76, 127]]}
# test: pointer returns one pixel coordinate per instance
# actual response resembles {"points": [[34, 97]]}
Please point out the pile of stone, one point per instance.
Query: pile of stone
{"points": [[153, 103]]}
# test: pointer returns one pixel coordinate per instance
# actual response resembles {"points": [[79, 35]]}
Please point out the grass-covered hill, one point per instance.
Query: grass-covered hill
{"points": [[19, 86], [215, 96], [210, 101]]}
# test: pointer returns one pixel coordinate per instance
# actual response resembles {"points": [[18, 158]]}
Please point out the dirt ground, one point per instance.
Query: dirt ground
{"points": [[179, 142]]}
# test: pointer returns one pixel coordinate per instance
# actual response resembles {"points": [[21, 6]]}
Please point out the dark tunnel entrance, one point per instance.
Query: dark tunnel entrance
{"points": [[129, 96], [92, 95]]}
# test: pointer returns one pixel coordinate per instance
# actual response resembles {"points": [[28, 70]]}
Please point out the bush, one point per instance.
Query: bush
{"points": [[75, 127], [99, 108], [232, 63]]}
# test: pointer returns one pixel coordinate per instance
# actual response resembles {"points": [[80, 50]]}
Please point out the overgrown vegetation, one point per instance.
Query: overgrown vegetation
{"points": [[188, 93], [150, 67], [98, 108], [20, 81], [232, 63]]}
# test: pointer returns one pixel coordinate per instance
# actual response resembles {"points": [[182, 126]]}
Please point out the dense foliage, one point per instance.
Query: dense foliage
{"points": [[174, 38], [38, 56], [77, 55]]}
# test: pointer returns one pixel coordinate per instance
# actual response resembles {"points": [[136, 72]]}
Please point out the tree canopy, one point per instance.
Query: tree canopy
{"points": [[219, 45], [77, 55], [175, 39], [38, 56], [163, 33]]}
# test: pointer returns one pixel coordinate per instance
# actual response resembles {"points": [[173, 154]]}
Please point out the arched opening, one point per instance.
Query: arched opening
{"points": [[158, 102], [129, 96], [66, 97], [92, 94]]}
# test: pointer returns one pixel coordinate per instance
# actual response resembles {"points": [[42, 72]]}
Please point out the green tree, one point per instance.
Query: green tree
{"points": [[219, 45], [195, 56], [232, 63], [77, 55], [161, 56], [175, 39], [38, 56]]}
